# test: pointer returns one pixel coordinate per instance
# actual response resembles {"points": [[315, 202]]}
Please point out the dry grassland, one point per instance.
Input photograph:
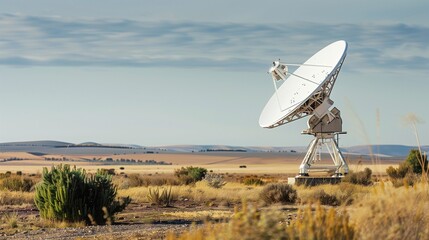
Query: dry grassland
{"points": [[379, 210], [256, 163]]}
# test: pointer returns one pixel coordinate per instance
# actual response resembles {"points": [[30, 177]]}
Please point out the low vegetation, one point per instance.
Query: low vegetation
{"points": [[71, 195], [413, 169], [17, 183], [393, 213], [252, 223], [253, 181], [160, 196], [333, 195], [16, 198], [201, 193], [215, 180], [188, 175], [278, 193], [361, 178]]}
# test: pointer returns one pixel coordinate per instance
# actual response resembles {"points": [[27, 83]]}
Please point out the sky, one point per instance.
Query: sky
{"points": [[166, 73]]}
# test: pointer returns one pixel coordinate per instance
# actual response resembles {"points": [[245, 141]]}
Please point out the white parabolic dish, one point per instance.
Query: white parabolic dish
{"points": [[304, 84]]}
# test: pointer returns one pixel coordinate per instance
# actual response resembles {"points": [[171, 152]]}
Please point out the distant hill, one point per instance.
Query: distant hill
{"points": [[58, 147], [45, 143], [388, 150]]}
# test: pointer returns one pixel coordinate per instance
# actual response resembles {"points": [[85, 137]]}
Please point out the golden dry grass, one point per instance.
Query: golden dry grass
{"points": [[393, 213], [200, 193], [345, 193], [200, 215], [381, 212], [15, 198]]}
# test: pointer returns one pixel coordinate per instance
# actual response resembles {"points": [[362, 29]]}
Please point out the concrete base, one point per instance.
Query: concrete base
{"points": [[313, 181]]}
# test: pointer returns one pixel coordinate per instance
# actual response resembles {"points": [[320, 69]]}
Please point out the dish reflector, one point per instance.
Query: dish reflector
{"points": [[305, 89]]}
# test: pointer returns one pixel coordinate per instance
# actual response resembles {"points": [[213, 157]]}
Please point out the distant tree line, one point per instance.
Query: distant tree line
{"points": [[111, 160], [222, 150], [134, 161], [11, 159]]}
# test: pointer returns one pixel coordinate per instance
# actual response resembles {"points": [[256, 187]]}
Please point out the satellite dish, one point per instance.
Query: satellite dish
{"points": [[305, 92]]}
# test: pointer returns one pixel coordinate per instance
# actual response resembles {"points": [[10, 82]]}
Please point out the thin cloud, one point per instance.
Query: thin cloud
{"points": [[44, 41]]}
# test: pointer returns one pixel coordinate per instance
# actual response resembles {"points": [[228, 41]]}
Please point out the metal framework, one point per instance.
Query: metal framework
{"points": [[325, 125], [313, 155]]}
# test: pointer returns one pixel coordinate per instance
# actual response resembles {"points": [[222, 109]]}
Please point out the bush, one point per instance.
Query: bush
{"points": [[361, 178], [410, 179], [253, 181], [333, 195], [400, 172], [160, 197], [17, 183], [325, 199], [214, 180], [278, 193], [110, 171], [136, 180], [190, 174], [70, 195], [408, 172], [416, 162]]}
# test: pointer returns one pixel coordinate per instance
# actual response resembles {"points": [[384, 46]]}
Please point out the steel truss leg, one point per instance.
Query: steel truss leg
{"points": [[331, 144]]}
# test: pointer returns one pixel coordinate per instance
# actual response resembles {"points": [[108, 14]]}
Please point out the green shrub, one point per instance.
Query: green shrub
{"points": [[361, 178], [160, 197], [71, 195], [417, 162], [408, 171], [278, 193], [190, 174], [253, 181], [214, 180], [17, 183]]}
